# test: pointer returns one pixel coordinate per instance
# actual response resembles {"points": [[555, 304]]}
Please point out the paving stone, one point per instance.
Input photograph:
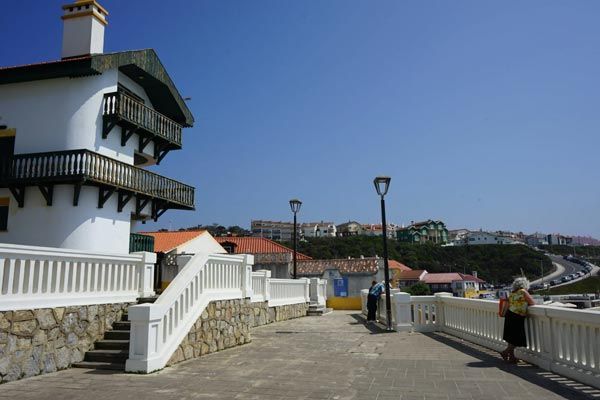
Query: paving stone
{"points": [[329, 357]]}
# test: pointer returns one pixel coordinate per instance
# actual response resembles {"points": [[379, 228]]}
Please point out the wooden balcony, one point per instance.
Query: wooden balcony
{"points": [[84, 167], [135, 117]]}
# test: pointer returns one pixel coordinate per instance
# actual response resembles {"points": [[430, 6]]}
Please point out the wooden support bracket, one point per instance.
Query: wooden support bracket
{"points": [[126, 135], [104, 194], [158, 209], [123, 200], [76, 193], [140, 203], [18, 193], [48, 193], [107, 127], [144, 141]]}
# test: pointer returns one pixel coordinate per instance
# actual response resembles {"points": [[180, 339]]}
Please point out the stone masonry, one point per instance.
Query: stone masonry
{"points": [[227, 323], [34, 342]]}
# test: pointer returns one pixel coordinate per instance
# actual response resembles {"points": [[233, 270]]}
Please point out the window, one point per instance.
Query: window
{"points": [[4, 201]]}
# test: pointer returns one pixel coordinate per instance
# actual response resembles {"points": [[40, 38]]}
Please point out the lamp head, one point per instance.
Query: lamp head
{"points": [[382, 183], [295, 205]]}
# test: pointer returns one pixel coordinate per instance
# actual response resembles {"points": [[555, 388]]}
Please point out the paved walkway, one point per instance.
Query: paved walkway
{"points": [[330, 357]]}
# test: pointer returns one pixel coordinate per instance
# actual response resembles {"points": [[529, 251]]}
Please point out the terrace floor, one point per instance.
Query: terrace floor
{"points": [[329, 357]]}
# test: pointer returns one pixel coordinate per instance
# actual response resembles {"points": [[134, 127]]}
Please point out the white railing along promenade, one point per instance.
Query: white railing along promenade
{"points": [[42, 277], [289, 291], [563, 341]]}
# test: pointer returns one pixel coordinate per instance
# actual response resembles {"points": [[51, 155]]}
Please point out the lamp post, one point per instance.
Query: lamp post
{"points": [[295, 205], [382, 184]]}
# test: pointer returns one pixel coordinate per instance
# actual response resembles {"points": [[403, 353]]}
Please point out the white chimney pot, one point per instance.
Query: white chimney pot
{"points": [[83, 28]]}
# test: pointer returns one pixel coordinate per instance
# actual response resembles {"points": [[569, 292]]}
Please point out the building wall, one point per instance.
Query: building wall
{"points": [[34, 342], [85, 227], [66, 114]]}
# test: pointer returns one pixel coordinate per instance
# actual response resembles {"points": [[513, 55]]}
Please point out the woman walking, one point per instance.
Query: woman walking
{"points": [[514, 318]]}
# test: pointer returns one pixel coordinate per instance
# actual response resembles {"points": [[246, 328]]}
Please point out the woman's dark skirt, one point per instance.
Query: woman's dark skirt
{"points": [[514, 329]]}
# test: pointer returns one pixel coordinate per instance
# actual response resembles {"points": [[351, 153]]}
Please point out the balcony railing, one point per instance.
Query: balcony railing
{"points": [[84, 166], [121, 107], [139, 242]]}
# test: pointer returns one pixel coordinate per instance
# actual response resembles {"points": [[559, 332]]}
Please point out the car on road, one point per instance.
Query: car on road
{"points": [[566, 278], [554, 282]]}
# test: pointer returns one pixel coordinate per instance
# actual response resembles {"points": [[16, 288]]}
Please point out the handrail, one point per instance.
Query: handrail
{"points": [[42, 277], [157, 329], [139, 242], [126, 107], [69, 165], [289, 291]]}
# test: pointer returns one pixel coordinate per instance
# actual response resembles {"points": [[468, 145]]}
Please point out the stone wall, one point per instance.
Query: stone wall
{"points": [[262, 314], [227, 323], [34, 342], [223, 324]]}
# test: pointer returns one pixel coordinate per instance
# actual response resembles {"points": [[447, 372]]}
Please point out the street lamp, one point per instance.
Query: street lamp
{"points": [[382, 183], [295, 205]]}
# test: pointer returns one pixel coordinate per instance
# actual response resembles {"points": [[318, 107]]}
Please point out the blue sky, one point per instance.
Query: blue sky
{"points": [[485, 114]]}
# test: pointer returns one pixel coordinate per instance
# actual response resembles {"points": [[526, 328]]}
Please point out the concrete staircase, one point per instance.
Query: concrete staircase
{"points": [[314, 309], [111, 352]]}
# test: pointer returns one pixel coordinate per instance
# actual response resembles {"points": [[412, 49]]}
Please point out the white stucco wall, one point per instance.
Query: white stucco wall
{"points": [[81, 36], [63, 225], [66, 114]]}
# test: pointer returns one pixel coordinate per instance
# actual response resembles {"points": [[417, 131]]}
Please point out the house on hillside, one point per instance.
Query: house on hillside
{"points": [[350, 228], [346, 277], [482, 237], [268, 255], [461, 285], [174, 248], [424, 231], [76, 137]]}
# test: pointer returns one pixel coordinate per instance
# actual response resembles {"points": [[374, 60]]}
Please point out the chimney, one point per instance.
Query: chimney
{"points": [[474, 274], [83, 28]]}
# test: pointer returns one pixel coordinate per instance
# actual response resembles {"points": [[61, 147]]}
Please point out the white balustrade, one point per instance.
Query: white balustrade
{"points": [[42, 277], [560, 340], [261, 285], [289, 291]]}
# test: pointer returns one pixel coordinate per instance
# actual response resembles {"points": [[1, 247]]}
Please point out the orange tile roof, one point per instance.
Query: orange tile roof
{"points": [[411, 275], [368, 265], [393, 264], [449, 277], [257, 245], [167, 241]]}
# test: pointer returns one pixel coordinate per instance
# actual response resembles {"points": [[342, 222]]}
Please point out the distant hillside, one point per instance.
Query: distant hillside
{"points": [[494, 263]]}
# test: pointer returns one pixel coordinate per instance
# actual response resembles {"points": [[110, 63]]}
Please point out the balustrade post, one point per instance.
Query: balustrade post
{"points": [[144, 344], [402, 318], [364, 294], [547, 350], [267, 285], [146, 273], [247, 276], [440, 317], [306, 290]]}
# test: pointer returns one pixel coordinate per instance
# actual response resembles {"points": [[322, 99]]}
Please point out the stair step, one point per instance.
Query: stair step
{"points": [[117, 335], [144, 300], [112, 344], [122, 325], [109, 356], [319, 312], [115, 366]]}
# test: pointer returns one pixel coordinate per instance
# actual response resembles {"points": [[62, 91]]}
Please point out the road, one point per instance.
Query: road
{"points": [[566, 268]]}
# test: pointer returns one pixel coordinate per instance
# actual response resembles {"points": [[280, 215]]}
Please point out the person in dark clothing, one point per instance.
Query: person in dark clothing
{"points": [[373, 297]]}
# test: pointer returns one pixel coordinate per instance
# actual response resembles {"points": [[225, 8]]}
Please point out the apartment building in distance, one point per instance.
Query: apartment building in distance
{"points": [[282, 230]]}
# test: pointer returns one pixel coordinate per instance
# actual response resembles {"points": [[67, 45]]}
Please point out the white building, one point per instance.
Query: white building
{"points": [[481, 237], [74, 134], [318, 229]]}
